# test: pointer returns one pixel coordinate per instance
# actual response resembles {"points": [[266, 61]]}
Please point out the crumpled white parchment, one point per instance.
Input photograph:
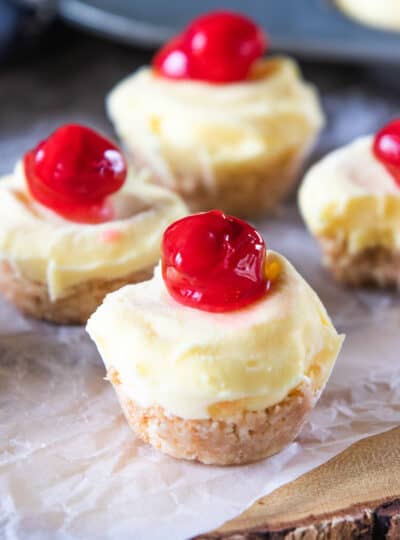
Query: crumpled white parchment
{"points": [[70, 468]]}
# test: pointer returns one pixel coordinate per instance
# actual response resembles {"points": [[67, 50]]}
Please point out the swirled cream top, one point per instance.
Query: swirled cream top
{"points": [[380, 13], [196, 127], [349, 194], [195, 363], [46, 248]]}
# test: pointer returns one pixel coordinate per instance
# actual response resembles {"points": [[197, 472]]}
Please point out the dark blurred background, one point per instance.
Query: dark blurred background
{"points": [[56, 67]]}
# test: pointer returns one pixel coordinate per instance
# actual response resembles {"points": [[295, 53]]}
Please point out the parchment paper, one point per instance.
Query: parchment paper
{"points": [[71, 468]]}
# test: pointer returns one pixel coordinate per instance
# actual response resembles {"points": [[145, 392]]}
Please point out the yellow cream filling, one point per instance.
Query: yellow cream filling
{"points": [[380, 13], [350, 196], [48, 249], [188, 361], [200, 129]]}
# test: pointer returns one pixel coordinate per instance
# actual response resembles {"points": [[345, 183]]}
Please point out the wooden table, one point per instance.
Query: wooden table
{"points": [[355, 495]]}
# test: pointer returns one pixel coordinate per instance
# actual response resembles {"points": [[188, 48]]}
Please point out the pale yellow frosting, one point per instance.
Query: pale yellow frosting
{"points": [[46, 248], [351, 196], [380, 13], [199, 129], [188, 360]]}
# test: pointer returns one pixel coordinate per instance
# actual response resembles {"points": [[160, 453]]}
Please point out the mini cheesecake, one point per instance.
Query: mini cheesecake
{"points": [[223, 354], [225, 132], [350, 202], [59, 256], [380, 13]]}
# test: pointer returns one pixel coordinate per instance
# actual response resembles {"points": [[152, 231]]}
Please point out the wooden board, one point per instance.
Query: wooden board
{"points": [[355, 495]]}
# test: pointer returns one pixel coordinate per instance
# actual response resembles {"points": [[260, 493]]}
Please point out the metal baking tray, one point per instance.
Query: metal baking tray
{"points": [[306, 28]]}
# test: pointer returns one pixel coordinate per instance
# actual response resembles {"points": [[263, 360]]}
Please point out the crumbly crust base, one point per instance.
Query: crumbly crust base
{"points": [[378, 266], [75, 307], [244, 191], [244, 437]]}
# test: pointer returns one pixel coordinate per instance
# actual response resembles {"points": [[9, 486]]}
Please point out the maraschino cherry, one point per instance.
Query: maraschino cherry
{"points": [[74, 171], [219, 47], [214, 262], [387, 148]]}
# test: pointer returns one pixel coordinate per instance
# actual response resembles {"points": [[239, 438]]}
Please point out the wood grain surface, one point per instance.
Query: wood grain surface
{"points": [[355, 495]]}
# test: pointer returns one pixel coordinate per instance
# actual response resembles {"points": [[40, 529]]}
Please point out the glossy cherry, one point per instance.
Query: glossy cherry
{"points": [[172, 61], [386, 148], [74, 171], [214, 262], [219, 47]]}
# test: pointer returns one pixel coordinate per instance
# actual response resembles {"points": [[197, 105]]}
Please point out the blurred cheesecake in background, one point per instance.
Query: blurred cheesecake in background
{"points": [[76, 224], [350, 202], [216, 121], [380, 13]]}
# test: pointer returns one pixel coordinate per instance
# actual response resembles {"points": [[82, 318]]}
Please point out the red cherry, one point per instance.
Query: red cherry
{"points": [[386, 148], [172, 61], [219, 47], [214, 262], [224, 46], [74, 171]]}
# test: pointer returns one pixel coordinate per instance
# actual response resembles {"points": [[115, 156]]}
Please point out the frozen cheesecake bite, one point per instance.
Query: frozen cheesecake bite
{"points": [[216, 121], [223, 354], [380, 13], [350, 202], [75, 225]]}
